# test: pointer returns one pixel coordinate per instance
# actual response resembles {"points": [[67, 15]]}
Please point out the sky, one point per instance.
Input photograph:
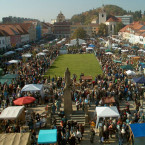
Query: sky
{"points": [[49, 9]]}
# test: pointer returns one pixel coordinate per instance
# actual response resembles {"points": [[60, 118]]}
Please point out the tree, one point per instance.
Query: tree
{"points": [[102, 30], [79, 33], [118, 27]]}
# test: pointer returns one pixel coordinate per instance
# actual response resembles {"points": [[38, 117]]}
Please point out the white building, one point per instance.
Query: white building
{"points": [[126, 19], [134, 33]]}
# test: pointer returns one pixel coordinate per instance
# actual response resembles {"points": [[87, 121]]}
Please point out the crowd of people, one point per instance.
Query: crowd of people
{"points": [[113, 83]]}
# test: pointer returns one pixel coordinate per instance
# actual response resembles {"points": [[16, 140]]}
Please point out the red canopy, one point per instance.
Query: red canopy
{"points": [[24, 100]]}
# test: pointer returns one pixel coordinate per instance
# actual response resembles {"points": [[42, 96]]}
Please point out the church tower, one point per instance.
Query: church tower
{"points": [[60, 17], [102, 15]]}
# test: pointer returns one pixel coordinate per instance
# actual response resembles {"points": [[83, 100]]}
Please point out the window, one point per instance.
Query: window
{"points": [[102, 15]]}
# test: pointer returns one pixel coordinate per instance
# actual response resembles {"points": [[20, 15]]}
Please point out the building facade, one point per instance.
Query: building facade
{"points": [[62, 29], [134, 33], [126, 19], [87, 28]]}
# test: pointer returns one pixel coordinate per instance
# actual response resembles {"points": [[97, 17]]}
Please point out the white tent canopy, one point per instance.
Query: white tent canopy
{"points": [[130, 73], [89, 49], [33, 88], [68, 45], [109, 53], [45, 50], [124, 50], [15, 139], [27, 55], [14, 61], [41, 54], [103, 112], [74, 41], [11, 112]]}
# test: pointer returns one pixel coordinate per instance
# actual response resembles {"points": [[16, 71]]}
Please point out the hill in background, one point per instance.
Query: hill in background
{"points": [[88, 16]]}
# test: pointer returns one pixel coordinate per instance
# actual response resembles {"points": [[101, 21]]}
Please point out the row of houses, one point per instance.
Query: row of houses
{"points": [[14, 35], [134, 33]]}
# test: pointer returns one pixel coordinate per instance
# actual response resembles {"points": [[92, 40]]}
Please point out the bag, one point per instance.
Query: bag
{"points": [[102, 139]]}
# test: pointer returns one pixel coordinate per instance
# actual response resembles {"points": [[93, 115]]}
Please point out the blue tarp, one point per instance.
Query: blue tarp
{"points": [[140, 80], [138, 129], [91, 45], [47, 136]]}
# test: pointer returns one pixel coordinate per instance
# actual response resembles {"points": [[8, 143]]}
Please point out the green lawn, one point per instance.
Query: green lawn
{"points": [[77, 63]]}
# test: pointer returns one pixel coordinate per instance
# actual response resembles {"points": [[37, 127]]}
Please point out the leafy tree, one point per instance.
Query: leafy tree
{"points": [[119, 26], [102, 30], [79, 33]]}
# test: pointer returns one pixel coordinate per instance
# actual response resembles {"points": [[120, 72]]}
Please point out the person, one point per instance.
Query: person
{"points": [[72, 140], [79, 135], [92, 135], [53, 108]]}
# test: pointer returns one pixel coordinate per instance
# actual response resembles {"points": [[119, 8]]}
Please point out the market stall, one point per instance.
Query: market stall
{"points": [[34, 88], [137, 133], [15, 139], [47, 136], [13, 113], [108, 100], [103, 112]]}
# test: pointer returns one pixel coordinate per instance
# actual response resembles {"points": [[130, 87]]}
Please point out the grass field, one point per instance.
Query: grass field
{"points": [[77, 63]]}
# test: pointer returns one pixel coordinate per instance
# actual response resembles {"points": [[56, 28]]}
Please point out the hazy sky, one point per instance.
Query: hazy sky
{"points": [[49, 9]]}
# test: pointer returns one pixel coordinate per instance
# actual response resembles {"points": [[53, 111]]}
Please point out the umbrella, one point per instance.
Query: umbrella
{"points": [[24, 100], [107, 50], [126, 67]]}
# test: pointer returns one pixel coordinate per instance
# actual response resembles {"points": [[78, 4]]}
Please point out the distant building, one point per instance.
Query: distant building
{"points": [[60, 17], [94, 21], [134, 33], [126, 19], [111, 23], [87, 28], [38, 28], [62, 29], [95, 28]]}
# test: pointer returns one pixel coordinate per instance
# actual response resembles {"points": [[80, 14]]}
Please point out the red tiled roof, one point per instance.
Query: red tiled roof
{"points": [[114, 19]]}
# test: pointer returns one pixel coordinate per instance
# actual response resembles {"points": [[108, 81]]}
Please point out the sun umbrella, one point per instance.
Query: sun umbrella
{"points": [[108, 50], [127, 67], [24, 100]]}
